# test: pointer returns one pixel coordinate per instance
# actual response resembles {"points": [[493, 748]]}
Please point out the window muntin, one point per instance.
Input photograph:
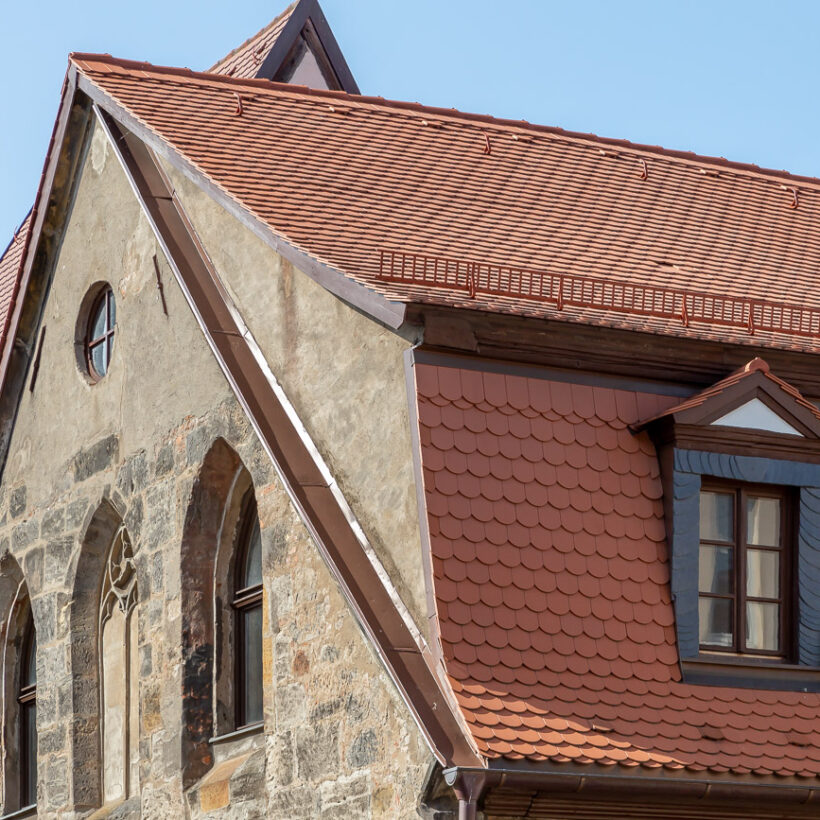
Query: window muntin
{"points": [[99, 343], [743, 570], [247, 604], [27, 703]]}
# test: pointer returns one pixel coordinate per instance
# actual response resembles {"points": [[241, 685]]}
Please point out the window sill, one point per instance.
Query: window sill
{"points": [[245, 731], [26, 811], [745, 673]]}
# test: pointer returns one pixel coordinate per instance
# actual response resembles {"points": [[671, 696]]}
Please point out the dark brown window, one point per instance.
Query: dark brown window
{"points": [[100, 334], [744, 580], [247, 604], [27, 704]]}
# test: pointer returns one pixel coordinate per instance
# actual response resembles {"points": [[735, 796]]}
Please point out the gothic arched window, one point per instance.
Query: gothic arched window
{"points": [[27, 712], [119, 691], [247, 603]]}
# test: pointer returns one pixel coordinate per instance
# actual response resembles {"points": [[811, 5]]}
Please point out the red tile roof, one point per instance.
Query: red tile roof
{"points": [[246, 60], [10, 269], [551, 582], [344, 177]]}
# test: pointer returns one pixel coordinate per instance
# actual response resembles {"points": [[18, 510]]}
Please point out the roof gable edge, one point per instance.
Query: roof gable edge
{"points": [[372, 304]]}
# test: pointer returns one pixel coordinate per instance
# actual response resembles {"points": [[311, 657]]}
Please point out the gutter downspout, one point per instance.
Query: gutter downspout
{"points": [[469, 786]]}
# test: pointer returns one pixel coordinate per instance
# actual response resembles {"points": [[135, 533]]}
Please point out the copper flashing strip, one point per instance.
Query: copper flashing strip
{"points": [[369, 302], [306, 478]]}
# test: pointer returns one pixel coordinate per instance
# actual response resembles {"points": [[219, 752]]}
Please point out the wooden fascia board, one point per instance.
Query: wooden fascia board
{"points": [[304, 11], [308, 481], [372, 304]]}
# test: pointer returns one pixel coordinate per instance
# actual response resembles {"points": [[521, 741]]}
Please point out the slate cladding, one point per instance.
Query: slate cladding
{"points": [[551, 582]]}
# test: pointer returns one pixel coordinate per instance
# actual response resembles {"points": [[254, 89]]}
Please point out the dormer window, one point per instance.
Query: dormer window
{"points": [[743, 579], [740, 465]]}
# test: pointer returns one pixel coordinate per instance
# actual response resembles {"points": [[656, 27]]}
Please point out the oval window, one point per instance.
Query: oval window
{"points": [[99, 341]]}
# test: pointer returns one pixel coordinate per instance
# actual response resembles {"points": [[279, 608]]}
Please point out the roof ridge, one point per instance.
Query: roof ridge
{"points": [[262, 31], [678, 155]]}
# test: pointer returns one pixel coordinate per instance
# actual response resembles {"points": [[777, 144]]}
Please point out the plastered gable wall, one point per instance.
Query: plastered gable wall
{"points": [[343, 373], [338, 740]]}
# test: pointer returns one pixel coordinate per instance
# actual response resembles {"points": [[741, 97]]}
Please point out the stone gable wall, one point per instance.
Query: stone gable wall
{"points": [[338, 741]]}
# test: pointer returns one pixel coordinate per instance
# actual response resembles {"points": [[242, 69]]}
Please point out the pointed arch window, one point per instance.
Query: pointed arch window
{"points": [[27, 711], [247, 603], [119, 695]]}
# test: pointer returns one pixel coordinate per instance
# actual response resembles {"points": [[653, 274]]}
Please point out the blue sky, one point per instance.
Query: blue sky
{"points": [[724, 77]]}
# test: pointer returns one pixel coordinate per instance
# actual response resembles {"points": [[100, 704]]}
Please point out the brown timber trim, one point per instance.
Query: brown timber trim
{"points": [[48, 217], [681, 794], [308, 14], [736, 441], [372, 304], [410, 667], [633, 354]]}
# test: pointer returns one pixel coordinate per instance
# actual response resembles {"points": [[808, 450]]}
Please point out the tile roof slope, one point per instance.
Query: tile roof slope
{"points": [[551, 582], [246, 60], [10, 270], [343, 177], [757, 365]]}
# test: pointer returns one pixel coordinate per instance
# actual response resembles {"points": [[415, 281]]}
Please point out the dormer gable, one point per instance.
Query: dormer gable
{"points": [[296, 47], [751, 411]]}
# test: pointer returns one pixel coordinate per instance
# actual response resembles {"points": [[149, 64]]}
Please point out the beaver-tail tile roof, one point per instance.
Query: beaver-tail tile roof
{"points": [[551, 582], [346, 178]]}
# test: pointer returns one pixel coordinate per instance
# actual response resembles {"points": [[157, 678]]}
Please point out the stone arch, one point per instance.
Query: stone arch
{"points": [[15, 612], [100, 531], [205, 557]]}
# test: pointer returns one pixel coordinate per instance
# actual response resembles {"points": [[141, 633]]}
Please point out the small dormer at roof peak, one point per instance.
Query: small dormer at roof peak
{"points": [[296, 47]]}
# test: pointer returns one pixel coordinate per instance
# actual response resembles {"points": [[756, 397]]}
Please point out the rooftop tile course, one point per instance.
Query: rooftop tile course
{"points": [[344, 177], [551, 582]]}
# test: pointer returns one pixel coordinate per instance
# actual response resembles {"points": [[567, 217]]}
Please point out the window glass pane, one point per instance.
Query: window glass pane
{"points": [[763, 521], [716, 621], [29, 728], [98, 321], [99, 359], [762, 626], [112, 310], [715, 572], [252, 694], [253, 558], [762, 574], [716, 516]]}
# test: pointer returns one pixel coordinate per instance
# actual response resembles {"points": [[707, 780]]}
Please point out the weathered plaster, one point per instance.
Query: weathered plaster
{"points": [[338, 741], [342, 372]]}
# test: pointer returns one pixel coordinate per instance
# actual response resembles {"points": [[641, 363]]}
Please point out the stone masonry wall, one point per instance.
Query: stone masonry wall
{"points": [[338, 741]]}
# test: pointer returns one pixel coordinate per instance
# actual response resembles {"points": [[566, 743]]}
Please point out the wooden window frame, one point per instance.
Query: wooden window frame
{"points": [[245, 599], [26, 701], [741, 491], [105, 298]]}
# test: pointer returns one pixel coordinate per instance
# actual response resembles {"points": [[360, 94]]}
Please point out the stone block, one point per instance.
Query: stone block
{"points": [[347, 797], [53, 524], [363, 750], [165, 460], [291, 705], [25, 534], [281, 770], [17, 501], [33, 569], [317, 750], [58, 560], [96, 458], [197, 444]]}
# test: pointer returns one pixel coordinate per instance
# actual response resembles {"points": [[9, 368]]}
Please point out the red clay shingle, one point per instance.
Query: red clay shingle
{"points": [[343, 177], [10, 270], [551, 582]]}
